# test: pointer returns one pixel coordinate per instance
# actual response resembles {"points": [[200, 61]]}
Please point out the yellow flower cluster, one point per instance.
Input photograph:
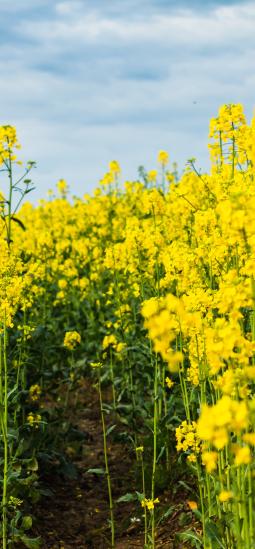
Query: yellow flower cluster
{"points": [[188, 440], [149, 503], [111, 341], [162, 319], [62, 187], [8, 142], [217, 422], [35, 392], [34, 420], [163, 158], [166, 260], [71, 340], [169, 382]]}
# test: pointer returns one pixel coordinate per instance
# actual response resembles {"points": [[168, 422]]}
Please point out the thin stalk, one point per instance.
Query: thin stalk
{"points": [[4, 403], [70, 384], [144, 495], [221, 150], [107, 471], [251, 526], [112, 380], [244, 511], [9, 211], [233, 156], [165, 413], [154, 463]]}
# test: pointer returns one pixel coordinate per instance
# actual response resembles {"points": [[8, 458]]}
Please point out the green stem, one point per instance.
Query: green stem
{"points": [[145, 508], [112, 380], [251, 527], [154, 464], [107, 472], [9, 212], [201, 496], [4, 425]]}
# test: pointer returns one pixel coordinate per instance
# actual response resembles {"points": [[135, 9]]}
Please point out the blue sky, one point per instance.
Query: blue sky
{"points": [[88, 81]]}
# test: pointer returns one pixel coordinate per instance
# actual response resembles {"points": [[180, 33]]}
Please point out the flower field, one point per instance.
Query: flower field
{"points": [[146, 291]]}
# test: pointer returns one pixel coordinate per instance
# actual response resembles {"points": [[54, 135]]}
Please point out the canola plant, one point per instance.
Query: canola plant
{"points": [[148, 288]]}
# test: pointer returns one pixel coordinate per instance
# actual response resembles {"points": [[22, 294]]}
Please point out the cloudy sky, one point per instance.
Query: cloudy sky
{"points": [[87, 81]]}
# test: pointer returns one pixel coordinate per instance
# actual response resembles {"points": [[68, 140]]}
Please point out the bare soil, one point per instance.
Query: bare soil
{"points": [[76, 513]]}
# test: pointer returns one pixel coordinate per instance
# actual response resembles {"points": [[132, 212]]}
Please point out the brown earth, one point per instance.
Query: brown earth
{"points": [[76, 514]]}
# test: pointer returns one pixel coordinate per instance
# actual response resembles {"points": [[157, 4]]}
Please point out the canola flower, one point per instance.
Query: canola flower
{"points": [[161, 282], [71, 340], [35, 392], [225, 495], [169, 382], [163, 158], [34, 420], [62, 187], [149, 503], [15, 502], [192, 505]]}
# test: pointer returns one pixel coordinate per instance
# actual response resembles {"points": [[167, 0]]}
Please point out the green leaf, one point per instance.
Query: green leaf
{"points": [[161, 453], [27, 522], [29, 190], [96, 471], [31, 543], [197, 514], [12, 391], [184, 519], [110, 429], [140, 496], [13, 433], [127, 497], [186, 486], [167, 513], [213, 534], [17, 220], [32, 464], [189, 535]]}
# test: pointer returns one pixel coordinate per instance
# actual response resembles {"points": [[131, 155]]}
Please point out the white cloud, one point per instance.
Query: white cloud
{"points": [[85, 84], [182, 26], [69, 8]]}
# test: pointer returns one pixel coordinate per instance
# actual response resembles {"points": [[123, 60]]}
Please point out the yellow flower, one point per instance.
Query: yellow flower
{"points": [[192, 458], [96, 364], [107, 180], [108, 341], [169, 382], [62, 187], [192, 505], [163, 158], [15, 502], [71, 340], [62, 284], [220, 438], [217, 422], [149, 503], [34, 419], [152, 175], [225, 495], [242, 455], [35, 392], [120, 347], [114, 167], [249, 438], [188, 440], [209, 459]]}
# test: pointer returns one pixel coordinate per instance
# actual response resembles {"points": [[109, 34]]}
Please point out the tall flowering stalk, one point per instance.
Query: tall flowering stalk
{"points": [[98, 366], [11, 277]]}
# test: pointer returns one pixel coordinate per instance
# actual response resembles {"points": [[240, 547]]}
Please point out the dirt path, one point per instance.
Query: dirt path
{"points": [[76, 515]]}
